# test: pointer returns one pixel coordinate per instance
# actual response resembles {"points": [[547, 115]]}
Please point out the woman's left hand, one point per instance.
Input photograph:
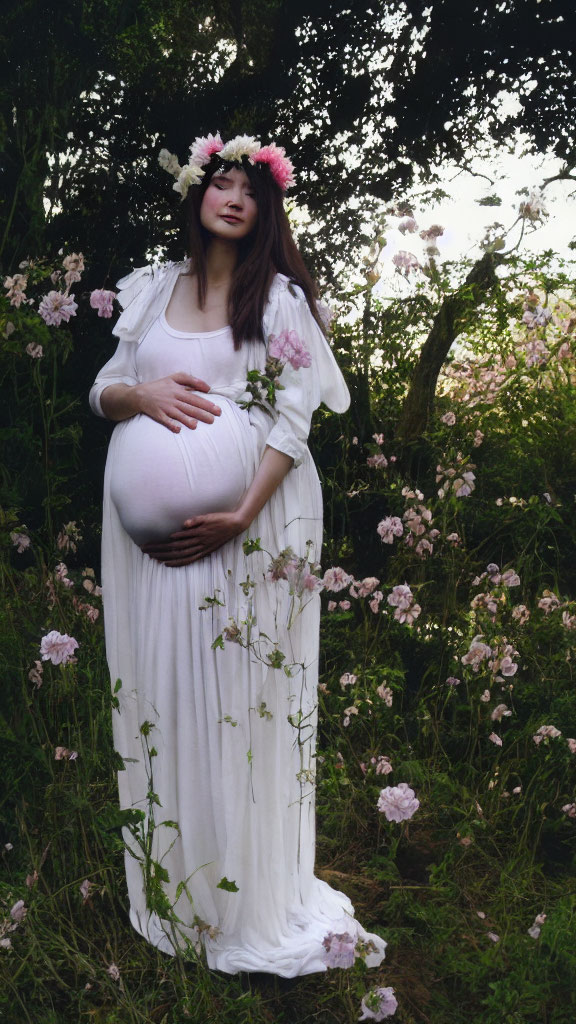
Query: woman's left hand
{"points": [[199, 537]]}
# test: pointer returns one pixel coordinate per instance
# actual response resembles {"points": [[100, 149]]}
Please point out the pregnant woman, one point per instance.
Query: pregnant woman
{"points": [[212, 531]]}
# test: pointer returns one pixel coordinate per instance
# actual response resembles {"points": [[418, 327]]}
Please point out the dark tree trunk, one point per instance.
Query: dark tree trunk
{"points": [[452, 318]]}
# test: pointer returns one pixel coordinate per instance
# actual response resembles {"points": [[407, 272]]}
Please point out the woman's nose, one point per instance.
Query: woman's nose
{"points": [[236, 198]]}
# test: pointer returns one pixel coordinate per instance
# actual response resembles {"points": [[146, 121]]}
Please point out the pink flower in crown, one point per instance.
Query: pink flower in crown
{"points": [[203, 149], [281, 168], [102, 300], [288, 348]]}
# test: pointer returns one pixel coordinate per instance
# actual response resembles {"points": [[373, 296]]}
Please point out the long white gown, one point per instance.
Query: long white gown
{"points": [[196, 647]]}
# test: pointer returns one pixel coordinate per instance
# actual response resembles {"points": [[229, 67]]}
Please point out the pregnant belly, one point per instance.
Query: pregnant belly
{"points": [[159, 479]]}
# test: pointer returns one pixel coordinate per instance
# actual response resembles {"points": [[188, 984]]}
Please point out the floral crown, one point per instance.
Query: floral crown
{"points": [[203, 149]]}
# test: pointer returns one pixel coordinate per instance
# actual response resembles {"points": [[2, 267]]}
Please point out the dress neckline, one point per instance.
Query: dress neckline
{"points": [[190, 334]]}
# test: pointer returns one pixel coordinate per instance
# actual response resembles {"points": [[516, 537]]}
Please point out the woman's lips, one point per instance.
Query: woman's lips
{"points": [[231, 218]]}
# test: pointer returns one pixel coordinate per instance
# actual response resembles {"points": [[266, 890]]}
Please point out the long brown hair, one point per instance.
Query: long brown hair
{"points": [[269, 249]]}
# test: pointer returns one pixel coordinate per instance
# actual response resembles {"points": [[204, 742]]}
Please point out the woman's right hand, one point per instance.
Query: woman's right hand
{"points": [[171, 401]]}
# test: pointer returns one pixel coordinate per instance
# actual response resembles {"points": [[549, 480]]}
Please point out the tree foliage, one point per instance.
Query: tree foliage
{"points": [[359, 94]]}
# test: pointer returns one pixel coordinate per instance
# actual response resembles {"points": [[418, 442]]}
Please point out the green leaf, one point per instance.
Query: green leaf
{"points": [[226, 885], [250, 545]]}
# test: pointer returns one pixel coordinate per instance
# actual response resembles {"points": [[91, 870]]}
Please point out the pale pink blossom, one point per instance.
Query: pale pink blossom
{"points": [[407, 616], [434, 231], [85, 888], [510, 578], [569, 810], [103, 300], [478, 438], [389, 528], [499, 712], [63, 754], [533, 208], [348, 679], [332, 606], [58, 647], [452, 681], [34, 350], [18, 912], [549, 602], [114, 972], [400, 596], [378, 1004], [464, 486], [378, 461], [564, 352], [16, 286], [494, 738], [35, 673], [571, 745], [453, 538], [517, 790], [383, 765], [339, 950], [448, 418], [21, 541], [536, 352], [487, 602], [61, 574], [336, 579], [385, 694], [423, 547], [287, 347], [374, 603], [508, 667], [347, 712], [74, 264], [398, 803], [535, 928], [477, 653], [546, 733], [536, 317], [405, 262], [493, 936], [378, 438], [568, 621], [485, 696], [521, 614], [366, 586], [344, 605], [56, 307], [68, 537], [407, 224]]}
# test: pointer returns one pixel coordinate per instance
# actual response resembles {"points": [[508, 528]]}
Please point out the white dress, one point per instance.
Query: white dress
{"points": [[196, 650]]}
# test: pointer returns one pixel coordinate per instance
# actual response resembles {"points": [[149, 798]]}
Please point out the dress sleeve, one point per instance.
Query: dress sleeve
{"points": [[290, 323], [134, 289]]}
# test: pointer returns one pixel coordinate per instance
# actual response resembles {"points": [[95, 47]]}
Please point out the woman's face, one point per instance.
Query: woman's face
{"points": [[229, 208]]}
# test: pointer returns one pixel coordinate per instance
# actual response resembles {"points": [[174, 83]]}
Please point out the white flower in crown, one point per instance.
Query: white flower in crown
{"points": [[169, 162], [189, 175], [242, 145]]}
